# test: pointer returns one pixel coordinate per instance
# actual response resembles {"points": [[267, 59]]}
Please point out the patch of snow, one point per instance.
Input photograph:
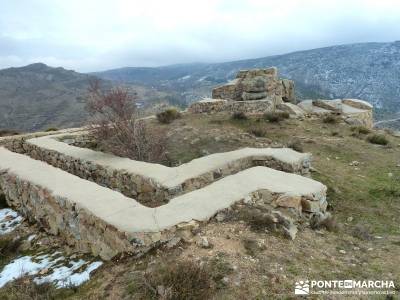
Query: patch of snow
{"points": [[9, 220], [49, 268], [185, 77], [31, 237]]}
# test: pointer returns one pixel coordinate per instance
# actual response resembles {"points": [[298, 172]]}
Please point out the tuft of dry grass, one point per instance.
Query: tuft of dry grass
{"points": [[9, 247], [257, 131], [168, 116], [276, 116], [180, 280], [361, 232], [296, 145], [330, 119], [239, 116], [25, 288], [378, 139]]}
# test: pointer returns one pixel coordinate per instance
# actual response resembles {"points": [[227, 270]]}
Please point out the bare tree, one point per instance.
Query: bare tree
{"points": [[116, 128]]}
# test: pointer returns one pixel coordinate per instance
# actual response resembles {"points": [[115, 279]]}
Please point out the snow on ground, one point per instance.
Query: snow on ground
{"points": [[9, 220], [56, 268], [184, 78]]}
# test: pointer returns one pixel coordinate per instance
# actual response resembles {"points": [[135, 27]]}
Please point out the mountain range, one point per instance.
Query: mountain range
{"points": [[37, 96]]}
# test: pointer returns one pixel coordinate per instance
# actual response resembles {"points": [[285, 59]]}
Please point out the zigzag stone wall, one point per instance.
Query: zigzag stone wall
{"points": [[147, 190]]}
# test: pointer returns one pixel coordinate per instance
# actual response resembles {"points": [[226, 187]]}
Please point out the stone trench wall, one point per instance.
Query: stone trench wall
{"points": [[89, 234], [145, 190], [75, 225]]}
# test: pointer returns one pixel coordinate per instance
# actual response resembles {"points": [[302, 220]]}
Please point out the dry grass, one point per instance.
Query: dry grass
{"points": [[239, 116], [330, 119], [181, 280], [168, 116], [26, 289], [378, 139], [257, 131], [276, 116]]}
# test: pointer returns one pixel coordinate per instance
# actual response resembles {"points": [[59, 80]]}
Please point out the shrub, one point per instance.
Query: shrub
{"points": [[329, 223], [115, 126], [26, 289], [181, 280], [330, 119], [361, 232], [239, 116], [357, 130], [379, 139], [9, 247], [296, 145], [168, 116], [8, 132], [257, 219], [257, 131], [276, 116], [51, 129]]}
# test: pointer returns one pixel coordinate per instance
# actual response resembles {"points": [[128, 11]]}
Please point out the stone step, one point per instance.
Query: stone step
{"points": [[105, 222], [154, 184]]}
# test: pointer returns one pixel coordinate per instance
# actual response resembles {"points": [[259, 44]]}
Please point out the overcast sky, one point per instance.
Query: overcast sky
{"points": [[91, 35]]}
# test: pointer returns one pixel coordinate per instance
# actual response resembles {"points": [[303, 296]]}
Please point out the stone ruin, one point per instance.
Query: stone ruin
{"points": [[259, 91], [258, 84], [108, 205]]}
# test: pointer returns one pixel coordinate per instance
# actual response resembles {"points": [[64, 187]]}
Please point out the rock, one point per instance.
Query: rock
{"points": [[289, 201], [292, 109], [342, 251], [356, 103], [204, 243], [172, 243], [290, 232], [354, 163], [327, 104], [257, 84], [220, 217]]}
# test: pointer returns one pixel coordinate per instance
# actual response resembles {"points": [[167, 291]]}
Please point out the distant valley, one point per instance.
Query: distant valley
{"points": [[36, 97]]}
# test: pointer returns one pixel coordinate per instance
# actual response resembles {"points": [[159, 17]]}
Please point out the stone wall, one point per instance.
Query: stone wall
{"points": [[144, 189], [78, 227]]}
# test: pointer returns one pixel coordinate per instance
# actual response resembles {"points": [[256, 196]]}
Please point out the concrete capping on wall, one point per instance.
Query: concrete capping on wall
{"points": [[104, 222], [155, 184]]}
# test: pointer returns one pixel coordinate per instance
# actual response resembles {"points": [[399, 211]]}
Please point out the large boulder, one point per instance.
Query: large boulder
{"points": [[257, 84]]}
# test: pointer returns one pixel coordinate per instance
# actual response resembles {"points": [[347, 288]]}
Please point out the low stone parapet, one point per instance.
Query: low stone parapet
{"points": [[155, 184], [104, 222]]}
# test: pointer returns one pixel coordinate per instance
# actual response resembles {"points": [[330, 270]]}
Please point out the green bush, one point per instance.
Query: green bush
{"points": [[239, 116], [378, 139], [168, 116], [276, 116]]}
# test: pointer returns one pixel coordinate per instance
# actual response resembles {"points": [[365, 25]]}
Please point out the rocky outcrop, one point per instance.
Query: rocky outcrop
{"points": [[257, 84], [352, 111]]}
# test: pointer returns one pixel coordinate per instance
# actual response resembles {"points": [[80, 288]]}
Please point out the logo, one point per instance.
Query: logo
{"points": [[302, 288], [345, 287]]}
